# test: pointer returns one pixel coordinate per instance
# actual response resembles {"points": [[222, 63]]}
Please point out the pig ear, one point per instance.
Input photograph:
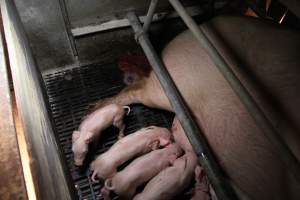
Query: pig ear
{"points": [[154, 144], [88, 137], [198, 171], [75, 135], [199, 174]]}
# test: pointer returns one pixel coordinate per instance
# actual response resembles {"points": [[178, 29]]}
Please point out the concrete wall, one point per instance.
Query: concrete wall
{"points": [[47, 26], [95, 11], [46, 31]]}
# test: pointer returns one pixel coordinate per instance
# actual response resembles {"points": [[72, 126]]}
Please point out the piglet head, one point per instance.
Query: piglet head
{"points": [[160, 142], [153, 145], [80, 142]]}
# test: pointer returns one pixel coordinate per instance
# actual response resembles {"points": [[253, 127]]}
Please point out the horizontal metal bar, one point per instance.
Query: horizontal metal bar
{"points": [[285, 154], [121, 23], [179, 106]]}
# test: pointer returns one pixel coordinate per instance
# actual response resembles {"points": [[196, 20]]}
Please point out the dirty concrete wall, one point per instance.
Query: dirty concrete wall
{"points": [[96, 11], [45, 25], [109, 46], [46, 31]]}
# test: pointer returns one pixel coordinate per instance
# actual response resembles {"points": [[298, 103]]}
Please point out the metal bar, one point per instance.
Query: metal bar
{"points": [[283, 16], [150, 14], [121, 23], [68, 26], [261, 120], [192, 131]]}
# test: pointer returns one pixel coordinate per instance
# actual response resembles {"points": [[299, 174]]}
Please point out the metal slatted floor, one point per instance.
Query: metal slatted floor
{"points": [[70, 93]]}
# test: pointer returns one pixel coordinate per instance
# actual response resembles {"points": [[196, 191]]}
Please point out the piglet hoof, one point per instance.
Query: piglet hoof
{"points": [[95, 181], [93, 178], [121, 135], [154, 145]]}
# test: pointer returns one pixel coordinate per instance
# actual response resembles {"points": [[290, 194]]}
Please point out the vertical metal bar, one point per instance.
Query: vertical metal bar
{"points": [[66, 19], [261, 120], [195, 136], [150, 14]]}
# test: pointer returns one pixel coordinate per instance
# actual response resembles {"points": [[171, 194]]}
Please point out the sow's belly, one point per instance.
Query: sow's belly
{"points": [[245, 154]]}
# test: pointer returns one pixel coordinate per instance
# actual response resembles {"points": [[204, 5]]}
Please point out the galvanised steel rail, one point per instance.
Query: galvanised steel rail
{"points": [[194, 134], [206, 159]]}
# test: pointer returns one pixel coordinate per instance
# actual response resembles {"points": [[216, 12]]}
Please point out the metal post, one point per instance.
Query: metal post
{"points": [[68, 26], [195, 136], [261, 120], [150, 14]]}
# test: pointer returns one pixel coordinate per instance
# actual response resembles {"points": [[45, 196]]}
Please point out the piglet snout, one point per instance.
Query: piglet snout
{"points": [[78, 163]]}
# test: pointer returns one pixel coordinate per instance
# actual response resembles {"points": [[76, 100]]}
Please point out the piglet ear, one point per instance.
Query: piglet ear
{"points": [[164, 142], [199, 174], [172, 158], [75, 135], [154, 144], [88, 137]]}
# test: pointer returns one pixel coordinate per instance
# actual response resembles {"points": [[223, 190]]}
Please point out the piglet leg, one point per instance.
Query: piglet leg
{"points": [[171, 180], [201, 190], [129, 95], [118, 122], [141, 170], [105, 193], [93, 177], [121, 126]]}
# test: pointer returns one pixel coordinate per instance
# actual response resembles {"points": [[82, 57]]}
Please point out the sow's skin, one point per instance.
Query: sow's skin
{"points": [[91, 127], [135, 144], [141, 170], [171, 181], [265, 57]]}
